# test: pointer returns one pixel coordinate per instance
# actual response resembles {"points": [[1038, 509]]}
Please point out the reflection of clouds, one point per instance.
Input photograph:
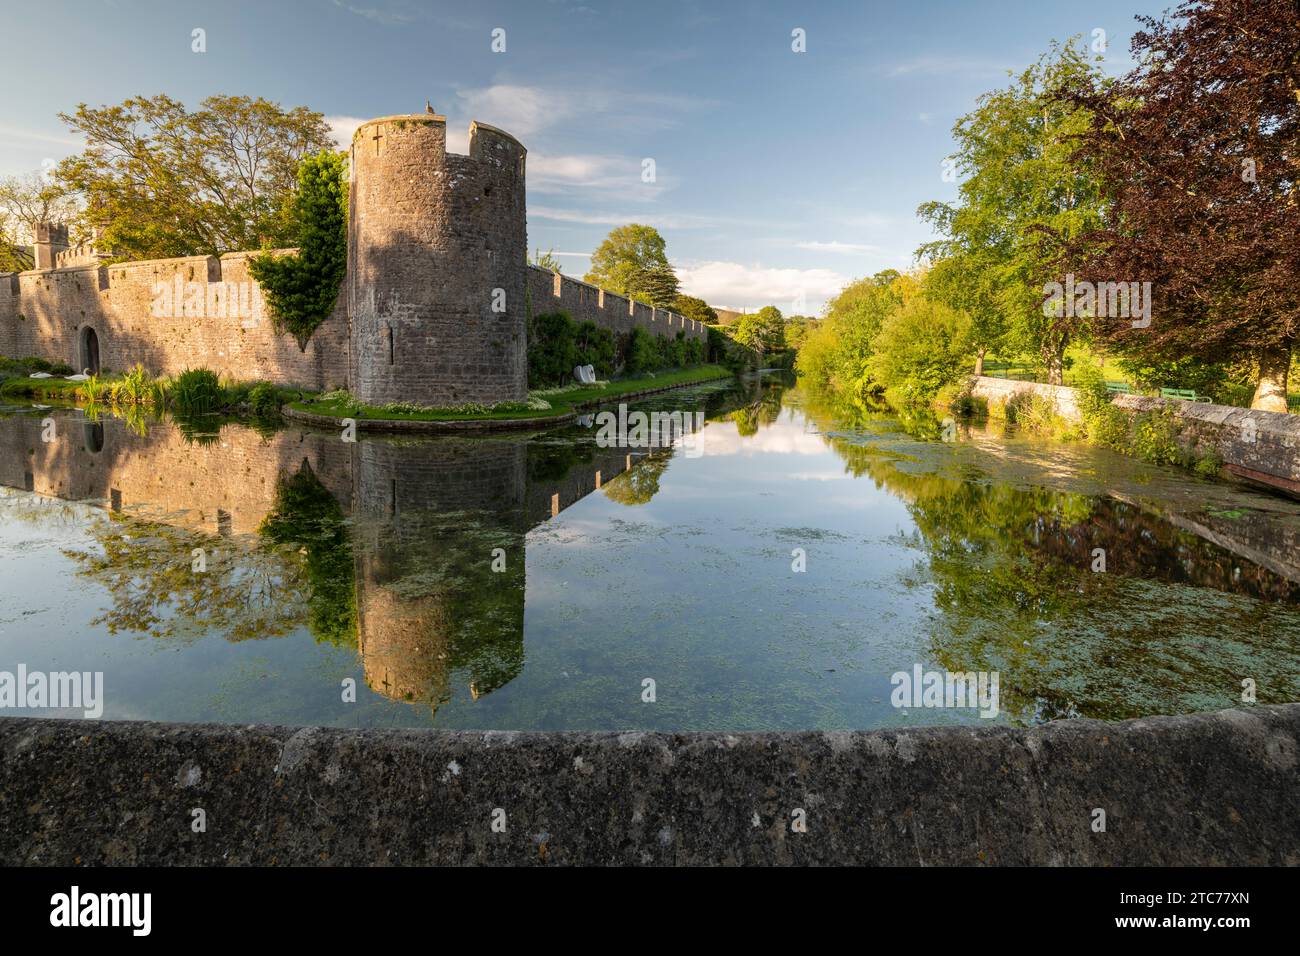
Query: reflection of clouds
{"points": [[820, 476], [779, 438]]}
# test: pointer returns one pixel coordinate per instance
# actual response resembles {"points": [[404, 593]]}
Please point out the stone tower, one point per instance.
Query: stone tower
{"points": [[48, 240], [437, 246]]}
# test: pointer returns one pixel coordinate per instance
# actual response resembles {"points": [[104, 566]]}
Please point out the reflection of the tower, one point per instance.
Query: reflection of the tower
{"points": [[435, 528]]}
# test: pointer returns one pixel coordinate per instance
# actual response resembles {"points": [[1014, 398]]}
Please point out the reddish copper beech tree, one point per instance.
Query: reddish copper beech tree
{"points": [[1199, 153]]}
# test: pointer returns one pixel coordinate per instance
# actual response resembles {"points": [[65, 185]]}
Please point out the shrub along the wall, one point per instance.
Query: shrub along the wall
{"points": [[596, 348], [197, 391], [640, 353], [552, 349], [556, 344]]}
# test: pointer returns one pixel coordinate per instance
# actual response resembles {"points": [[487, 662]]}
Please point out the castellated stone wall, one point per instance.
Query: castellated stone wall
{"points": [[552, 291], [433, 310], [169, 315], [437, 243]]}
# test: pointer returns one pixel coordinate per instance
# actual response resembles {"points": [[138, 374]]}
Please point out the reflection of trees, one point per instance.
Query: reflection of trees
{"points": [[1011, 572], [307, 517], [301, 570], [147, 569], [760, 411], [438, 570], [640, 483]]}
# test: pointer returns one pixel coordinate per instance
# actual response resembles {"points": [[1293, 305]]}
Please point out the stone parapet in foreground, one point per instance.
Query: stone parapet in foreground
{"points": [[1214, 788]]}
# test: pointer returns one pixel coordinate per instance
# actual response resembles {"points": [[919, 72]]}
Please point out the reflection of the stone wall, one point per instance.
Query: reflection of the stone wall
{"points": [[225, 486], [438, 527]]}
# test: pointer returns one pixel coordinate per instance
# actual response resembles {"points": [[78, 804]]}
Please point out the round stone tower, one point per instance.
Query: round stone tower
{"points": [[437, 246]]}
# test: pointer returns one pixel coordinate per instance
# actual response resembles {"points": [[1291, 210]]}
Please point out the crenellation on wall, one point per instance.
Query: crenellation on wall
{"points": [[585, 302]]}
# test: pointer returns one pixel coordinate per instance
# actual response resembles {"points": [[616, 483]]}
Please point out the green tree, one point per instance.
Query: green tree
{"points": [[763, 330], [697, 309], [632, 262], [1025, 197], [547, 260], [161, 181], [797, 328], [920, 348], [835, 354], [656, 285]]}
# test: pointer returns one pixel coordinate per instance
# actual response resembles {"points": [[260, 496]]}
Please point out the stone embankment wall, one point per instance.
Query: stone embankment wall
{"points": [[1263, 447], [1207, 789]]}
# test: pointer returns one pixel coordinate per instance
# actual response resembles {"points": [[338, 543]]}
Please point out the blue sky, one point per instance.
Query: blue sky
{"points": [[779, 175]]}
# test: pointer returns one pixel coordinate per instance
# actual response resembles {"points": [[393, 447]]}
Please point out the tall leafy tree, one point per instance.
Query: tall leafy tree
{"points": [[836, 352], [632, 261], [656, 285], [697, 309], [160, 180], [763, 330], [1024, 194], [1199, 147], [26, 201]]}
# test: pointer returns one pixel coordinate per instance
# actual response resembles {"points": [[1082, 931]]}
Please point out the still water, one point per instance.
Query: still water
{"points": [[773, 571]]}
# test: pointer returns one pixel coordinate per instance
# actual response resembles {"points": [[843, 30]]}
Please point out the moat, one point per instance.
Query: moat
{"points": [[768, 573]]}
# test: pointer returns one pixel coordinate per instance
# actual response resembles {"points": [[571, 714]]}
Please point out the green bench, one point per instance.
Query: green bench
{"points": [[1119, 388], [1185, 394]]}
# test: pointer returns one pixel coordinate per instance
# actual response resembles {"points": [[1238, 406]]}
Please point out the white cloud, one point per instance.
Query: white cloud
{"points": [[390, 14], [342, 129], [547, 173], [16, 134], [947, 65], [524, 111], [843, 248], [24, 151], [519, 110], [733, 285], [649, 218]]}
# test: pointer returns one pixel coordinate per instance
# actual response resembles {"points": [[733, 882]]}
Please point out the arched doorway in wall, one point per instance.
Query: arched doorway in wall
{"points": [[88, 352], [93, 436]]}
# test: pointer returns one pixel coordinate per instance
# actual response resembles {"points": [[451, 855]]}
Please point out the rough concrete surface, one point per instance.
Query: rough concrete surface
{"points": [[1220, 788]]}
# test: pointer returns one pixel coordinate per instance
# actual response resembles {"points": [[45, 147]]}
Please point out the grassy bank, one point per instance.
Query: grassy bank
{"points": [[545, 403], [195, 391], [56, 389]]}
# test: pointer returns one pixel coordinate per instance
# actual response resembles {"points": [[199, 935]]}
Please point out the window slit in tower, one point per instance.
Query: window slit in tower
{"points": [[390, 345]]}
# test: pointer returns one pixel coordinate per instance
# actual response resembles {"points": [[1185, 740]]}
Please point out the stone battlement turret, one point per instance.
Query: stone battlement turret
{"points": [[436, 248], [48, 240]]}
